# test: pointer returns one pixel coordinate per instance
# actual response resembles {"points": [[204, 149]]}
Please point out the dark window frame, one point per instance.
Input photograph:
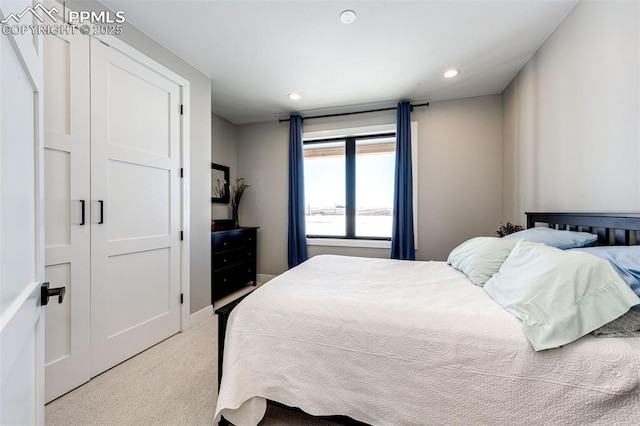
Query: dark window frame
{"points": [[350, 182]]}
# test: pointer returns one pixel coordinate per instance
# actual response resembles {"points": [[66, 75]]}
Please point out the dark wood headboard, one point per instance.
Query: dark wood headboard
{"points": [[611, 228]]}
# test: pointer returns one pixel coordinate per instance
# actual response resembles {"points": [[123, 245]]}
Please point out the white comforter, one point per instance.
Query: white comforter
{"points": [[390, 342]]}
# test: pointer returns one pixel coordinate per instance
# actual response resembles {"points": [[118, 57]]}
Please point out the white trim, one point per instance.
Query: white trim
{"points": [[202, 315], [348, 242], [185, 264], [353, 131], [140, 57], [263, 278]]}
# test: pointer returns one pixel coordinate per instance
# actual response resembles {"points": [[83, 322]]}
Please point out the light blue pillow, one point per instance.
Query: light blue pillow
{"points": [[559, 295], [480, 257], [555, 238], [625, 260]]}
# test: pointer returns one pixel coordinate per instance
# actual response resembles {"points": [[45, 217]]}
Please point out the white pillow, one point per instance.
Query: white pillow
{"points": [[481, 257], [559, 295]]}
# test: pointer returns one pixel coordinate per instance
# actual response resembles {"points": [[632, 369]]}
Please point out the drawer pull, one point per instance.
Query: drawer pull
{"points": [[225, 261], [224, 244]]}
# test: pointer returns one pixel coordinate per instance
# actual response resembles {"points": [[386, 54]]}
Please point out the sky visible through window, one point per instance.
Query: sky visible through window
{"points": [[325, 191]]}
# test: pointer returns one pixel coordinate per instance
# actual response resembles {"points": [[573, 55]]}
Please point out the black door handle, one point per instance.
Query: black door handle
{"points": [[101, 221], [82, 217], [46, 293]]}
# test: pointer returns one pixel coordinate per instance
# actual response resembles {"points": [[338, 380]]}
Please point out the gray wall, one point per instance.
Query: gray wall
{"points": [[200, 145], [223, 151], [460, 180], [571, 117]]}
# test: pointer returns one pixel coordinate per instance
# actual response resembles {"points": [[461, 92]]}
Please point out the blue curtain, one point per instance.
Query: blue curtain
{"points": [[402, 246], [297, 252]]}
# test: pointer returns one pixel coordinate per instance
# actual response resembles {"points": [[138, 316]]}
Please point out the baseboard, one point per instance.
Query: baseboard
{"points": [[263, 278], [201, 315]]}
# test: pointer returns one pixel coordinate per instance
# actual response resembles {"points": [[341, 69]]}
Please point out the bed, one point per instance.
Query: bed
{"points": [[387, 342]]}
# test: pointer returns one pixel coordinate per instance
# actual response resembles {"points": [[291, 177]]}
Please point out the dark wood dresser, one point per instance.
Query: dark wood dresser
{"points": [[233, 260]]}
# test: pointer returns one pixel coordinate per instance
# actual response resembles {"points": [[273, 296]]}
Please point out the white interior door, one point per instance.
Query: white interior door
{"points": [[67, 197], [21, 227], [135, 190]]}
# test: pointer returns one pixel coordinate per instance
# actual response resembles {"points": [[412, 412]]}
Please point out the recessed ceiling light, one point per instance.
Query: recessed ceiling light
{"points": [[293, 96], [347, 16], [450, 73]]}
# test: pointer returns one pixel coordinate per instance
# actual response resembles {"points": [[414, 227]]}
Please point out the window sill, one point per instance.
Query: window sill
{"points": [[339, 242]]}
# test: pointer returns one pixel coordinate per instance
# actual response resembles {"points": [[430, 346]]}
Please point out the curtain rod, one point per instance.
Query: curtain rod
{"points": [[355, 112]]}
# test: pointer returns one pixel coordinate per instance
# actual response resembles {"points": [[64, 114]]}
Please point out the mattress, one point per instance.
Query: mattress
{"points": [[390, 342]]}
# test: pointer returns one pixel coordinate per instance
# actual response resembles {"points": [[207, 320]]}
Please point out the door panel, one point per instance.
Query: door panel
{"points": [[148, 190], [139, 111], [21, 230], [133, 277], [57, 187], [67, 242], [57, 81], [17, 210], [135, 162], [58, 339]]}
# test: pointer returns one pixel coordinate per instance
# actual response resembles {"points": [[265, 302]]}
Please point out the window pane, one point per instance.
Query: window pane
{"points": [[324, 189], [375, 163]]}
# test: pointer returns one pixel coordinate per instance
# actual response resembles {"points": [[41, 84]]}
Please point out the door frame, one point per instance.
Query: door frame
{"points": [[185, 208]]}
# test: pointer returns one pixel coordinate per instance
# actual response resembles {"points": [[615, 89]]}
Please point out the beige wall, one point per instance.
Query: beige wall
{"points": [[459, 177], [200, 146], [571, 117], [223, 151]]}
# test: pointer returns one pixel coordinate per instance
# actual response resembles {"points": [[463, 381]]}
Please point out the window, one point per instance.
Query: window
{"points": [[349, 186]]}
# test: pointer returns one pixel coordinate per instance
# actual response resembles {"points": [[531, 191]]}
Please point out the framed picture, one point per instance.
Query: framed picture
{"points": [[219, 183]]}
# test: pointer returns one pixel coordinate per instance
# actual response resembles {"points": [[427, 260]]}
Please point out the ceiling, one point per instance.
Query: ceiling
{"points": [[256, 52]]}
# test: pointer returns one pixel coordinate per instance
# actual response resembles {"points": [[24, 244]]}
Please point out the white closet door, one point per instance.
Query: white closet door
{"points": [[135, 187], [21, 227], [67, 234]]}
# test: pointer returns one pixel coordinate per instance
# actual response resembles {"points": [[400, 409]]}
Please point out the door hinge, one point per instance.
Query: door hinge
{"points": [[181, 172], [181, 235], [181, 298], [181, 109]]}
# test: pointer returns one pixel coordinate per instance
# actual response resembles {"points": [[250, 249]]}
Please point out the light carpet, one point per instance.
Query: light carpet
{"points": [[171, 383]]}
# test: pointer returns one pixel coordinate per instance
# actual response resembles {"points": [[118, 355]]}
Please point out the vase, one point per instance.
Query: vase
{"points": [[234, 217]]}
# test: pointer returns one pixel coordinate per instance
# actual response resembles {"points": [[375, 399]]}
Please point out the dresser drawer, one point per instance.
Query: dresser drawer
{"points": [[231, 279], [228, 241], [227, 258]]}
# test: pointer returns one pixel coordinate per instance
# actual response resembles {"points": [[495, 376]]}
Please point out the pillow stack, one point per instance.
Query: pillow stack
{"points": [[559, 295]]}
